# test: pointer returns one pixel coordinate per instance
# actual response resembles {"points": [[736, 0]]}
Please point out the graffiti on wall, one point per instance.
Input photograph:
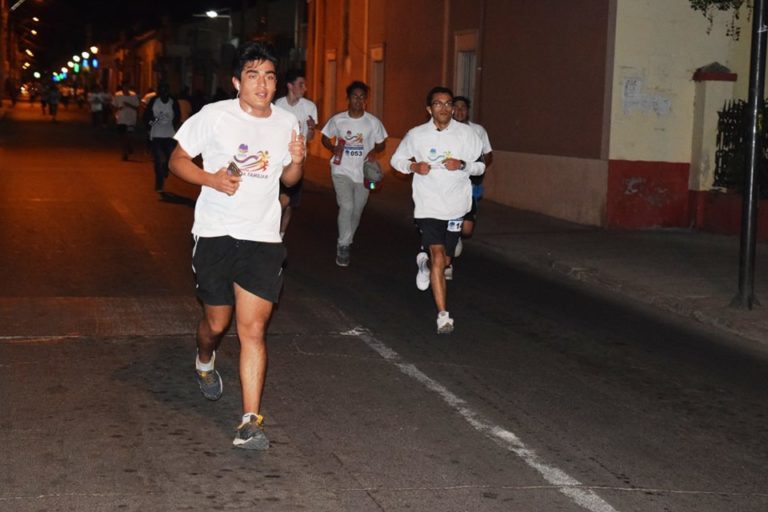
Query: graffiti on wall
{"points": [[635, 98]]}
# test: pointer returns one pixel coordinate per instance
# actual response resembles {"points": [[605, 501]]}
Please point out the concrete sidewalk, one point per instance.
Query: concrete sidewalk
{"points": [[686, 272]]}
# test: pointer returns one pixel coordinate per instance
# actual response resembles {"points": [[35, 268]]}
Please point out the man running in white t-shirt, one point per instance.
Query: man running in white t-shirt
{"points": [[248, 148], [461, 106], [441, 154], [354, 137], [306, 112]]}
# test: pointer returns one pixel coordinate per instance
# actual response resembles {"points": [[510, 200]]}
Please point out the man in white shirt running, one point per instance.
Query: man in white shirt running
{"points": [[248, 147], [306, 112], [354, 137], [126, 105], [441, 154], [461, 106]]}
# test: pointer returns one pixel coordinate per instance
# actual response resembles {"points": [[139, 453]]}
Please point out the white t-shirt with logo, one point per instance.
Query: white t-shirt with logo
{"points": [[303, 109], [162, 116], [360, 136], [125, 114], [221, 132], [440, 194], [480, 131]]}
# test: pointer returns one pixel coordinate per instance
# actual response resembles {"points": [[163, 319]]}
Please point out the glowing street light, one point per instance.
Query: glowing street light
{"points": [[29, 52], [94, 50], [85, 55], [36, 74], [214, 14], [76, 58]]}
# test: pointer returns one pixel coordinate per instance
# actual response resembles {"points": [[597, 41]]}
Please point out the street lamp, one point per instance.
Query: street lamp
{"points": [[215, 14]]}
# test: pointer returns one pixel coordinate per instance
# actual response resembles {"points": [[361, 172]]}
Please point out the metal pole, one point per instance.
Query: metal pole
{"points": [[746, 296]]}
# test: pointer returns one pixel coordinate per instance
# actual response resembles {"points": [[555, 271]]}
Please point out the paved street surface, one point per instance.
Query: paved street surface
{"points": [[589, 370]]}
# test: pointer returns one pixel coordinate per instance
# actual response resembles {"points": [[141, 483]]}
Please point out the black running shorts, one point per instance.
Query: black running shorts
{"points": [[222, 261], [440, 232]]}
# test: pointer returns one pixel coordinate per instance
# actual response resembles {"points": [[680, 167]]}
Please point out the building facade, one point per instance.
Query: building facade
{"points": [[591, 105]]}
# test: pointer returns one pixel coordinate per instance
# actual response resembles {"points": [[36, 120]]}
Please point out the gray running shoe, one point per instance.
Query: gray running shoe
{"points": [[342, 255], [210, 384], [250, 435]]}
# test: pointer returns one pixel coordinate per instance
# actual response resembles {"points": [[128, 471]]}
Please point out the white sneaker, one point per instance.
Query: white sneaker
{"points": [[449, 273], [458, 249], [422, 276], [444, 323]]}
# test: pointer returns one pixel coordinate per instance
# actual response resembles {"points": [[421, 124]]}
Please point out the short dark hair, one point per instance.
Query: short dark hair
{"points": [[438, 90], [462, 98], [357, 84], [249, 52], [294, 74]]}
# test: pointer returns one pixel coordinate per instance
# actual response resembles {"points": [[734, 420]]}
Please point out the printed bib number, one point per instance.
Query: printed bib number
{"points": [[454, 226]]}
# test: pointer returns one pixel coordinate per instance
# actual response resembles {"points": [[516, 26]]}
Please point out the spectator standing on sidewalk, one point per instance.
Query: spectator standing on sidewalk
{"points": [[306, 112], [161, 117], [354, 137], [248, 147], [126, 105], [461, 106], [441, 154]]}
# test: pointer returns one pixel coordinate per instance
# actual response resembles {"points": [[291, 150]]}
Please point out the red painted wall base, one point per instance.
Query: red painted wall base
{"points": [[647, 194], [717, 212]]}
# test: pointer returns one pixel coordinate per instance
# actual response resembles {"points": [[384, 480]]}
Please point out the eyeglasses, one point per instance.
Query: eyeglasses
{"points": [[442, 104]]}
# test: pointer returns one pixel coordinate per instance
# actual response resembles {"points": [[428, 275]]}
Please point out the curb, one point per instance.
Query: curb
{"points": [[661, 301]]}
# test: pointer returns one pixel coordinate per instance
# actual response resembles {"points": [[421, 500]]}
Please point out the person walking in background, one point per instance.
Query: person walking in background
{"points": [[248, 148], [126, 105], [441, 154], [53, 97], [96, 101], [44, 92], [161, 117], [306, 113], [185, 106], [461, 106], [354, 137]]}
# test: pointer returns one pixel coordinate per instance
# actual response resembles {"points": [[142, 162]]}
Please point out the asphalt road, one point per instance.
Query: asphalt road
{"points": [[549, 395]]}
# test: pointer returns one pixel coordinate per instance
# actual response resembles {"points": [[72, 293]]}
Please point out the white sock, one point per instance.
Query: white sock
{"points": [[247, 417], [205, 367]]}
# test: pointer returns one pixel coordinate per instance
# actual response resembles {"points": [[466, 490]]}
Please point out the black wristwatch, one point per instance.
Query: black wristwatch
{"points": [[462, 165]]}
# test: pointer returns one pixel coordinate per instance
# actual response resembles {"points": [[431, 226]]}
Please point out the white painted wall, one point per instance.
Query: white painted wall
{"points": [[659, 45]]}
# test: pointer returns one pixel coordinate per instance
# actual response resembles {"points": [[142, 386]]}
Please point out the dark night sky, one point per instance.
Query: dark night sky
{"points": [[63, 26]]}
